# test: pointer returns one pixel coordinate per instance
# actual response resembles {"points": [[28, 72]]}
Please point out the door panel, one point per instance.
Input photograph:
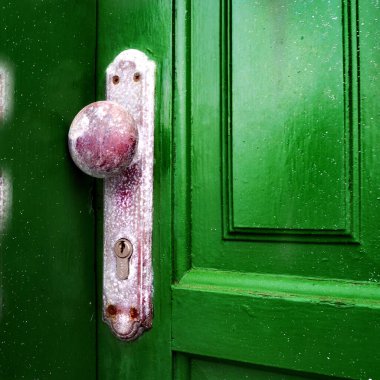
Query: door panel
{"points": [[295, 212], [276, 233], [210, 369], [289, 139], [47, 311]]}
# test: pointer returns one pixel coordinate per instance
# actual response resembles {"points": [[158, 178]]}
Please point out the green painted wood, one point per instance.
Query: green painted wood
{"points": [[182, 138], [274, 204], [312, 289], [215, 243], [287, 113], [276, 238], [47, 306], [324, 336], [299, 294], [144, 25], [202, 369]]}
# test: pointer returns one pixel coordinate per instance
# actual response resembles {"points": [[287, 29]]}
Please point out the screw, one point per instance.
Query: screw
{"points": [[115, 79], [136, 76], [111, 310], [133, 313]]}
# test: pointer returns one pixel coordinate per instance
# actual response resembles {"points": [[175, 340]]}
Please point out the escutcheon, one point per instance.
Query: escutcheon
{"points": [[113, 139]]}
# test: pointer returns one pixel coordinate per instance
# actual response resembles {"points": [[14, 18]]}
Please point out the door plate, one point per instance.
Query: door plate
{"points": [[128, 203]]}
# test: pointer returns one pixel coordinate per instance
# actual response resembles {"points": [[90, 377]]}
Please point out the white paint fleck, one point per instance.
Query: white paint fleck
{"points": [[75, 133]]}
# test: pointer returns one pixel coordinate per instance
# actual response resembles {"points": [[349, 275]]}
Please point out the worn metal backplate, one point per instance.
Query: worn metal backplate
{"points": [[127, 302]]}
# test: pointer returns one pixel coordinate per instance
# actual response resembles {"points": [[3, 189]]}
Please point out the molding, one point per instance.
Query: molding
{"points": [[351, 132]]}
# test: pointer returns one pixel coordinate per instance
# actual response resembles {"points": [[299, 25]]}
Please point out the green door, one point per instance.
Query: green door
{"points": [[278, 275], [266, 188], [266, 202], [47, 296]]}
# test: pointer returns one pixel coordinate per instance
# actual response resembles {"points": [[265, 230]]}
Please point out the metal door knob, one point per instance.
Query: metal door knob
{"points": [[103, 139]]}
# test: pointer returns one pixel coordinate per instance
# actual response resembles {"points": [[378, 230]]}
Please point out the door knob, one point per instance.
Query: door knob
{"points": [[113, 139], [103, 139]]}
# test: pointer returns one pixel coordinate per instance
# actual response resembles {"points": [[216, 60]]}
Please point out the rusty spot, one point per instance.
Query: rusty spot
{"points": [[111, 310], [136, 76], [115, 79], [133, 313]]}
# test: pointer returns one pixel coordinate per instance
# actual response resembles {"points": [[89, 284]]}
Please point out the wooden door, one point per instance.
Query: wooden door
{"points": [[47, 283], [276, 242], [266, 219], [266, 188]]}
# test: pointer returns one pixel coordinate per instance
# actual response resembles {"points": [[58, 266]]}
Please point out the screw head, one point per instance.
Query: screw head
{"points": [[111, 310]]}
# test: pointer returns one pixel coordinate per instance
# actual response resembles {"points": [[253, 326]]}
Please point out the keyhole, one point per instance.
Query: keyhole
{"points": [[123, 251], [122, 246]]}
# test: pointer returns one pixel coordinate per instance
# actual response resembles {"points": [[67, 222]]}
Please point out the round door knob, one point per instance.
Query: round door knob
{"points": [[103, 139]]}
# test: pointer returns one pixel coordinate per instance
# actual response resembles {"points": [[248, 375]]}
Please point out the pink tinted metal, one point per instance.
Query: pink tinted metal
{"points": [[128, 202], [103, 139]]}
